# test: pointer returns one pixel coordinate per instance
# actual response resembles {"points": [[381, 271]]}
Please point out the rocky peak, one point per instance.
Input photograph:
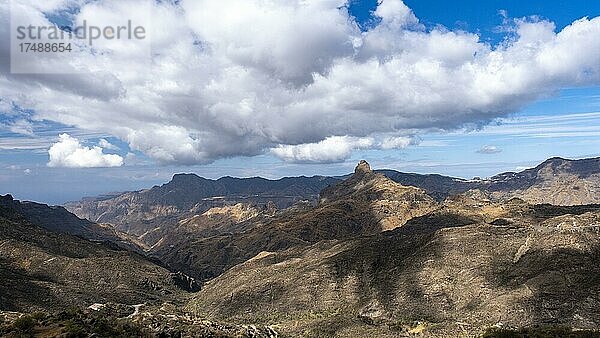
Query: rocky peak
{"points": [[8, 207], [367, 186], [184, 179], [362, 168], [363, 179], [6, 199]]}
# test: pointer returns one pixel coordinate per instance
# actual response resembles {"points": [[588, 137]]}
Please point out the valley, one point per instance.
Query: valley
{"points": [[374, 253]]}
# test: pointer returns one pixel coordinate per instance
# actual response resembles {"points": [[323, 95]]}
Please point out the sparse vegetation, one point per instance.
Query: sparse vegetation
{"points": [[412, 327], [323, 272], [73, 323], [540, 332], [24, 324]]}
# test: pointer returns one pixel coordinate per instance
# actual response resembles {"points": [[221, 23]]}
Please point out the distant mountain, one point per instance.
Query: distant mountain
{"points": [[365, 257], [189, 192], [556, 181], [455, 269], [364, 204], [56, 219], [437, 186], [149, 214]]}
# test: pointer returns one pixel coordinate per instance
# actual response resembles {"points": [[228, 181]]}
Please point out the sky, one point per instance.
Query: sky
{"points": [[252, 88]]}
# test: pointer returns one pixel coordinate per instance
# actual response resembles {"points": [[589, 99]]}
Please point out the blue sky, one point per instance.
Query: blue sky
{"points": [[565, 123], [485, 16]]}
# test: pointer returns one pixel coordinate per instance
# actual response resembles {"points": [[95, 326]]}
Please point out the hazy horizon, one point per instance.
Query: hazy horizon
{"points": [[473, 89]]}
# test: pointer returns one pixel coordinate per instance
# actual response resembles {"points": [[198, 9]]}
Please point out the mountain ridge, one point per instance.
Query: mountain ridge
{"points": [[364, 204], [289, 190], [50, 270], [55, 219], [370, 257]]}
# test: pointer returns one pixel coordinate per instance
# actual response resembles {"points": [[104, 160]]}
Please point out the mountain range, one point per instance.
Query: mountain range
{"points": [[150, 214], [376, 253]]}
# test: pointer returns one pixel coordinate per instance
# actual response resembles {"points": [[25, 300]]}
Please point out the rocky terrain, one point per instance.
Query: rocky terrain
{"points": [[148, 215], [54, 284], [364, 204], [57, 219], [187, 193], [466, 266], [366, 256], [556, 181], [45, 270]]}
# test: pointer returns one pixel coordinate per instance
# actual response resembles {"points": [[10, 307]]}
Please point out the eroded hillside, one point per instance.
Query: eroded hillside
{"points": [[368, 258]]}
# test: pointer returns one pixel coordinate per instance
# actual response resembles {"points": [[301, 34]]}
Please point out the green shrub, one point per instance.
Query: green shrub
{"points": [[24, 324], [73, 330]]}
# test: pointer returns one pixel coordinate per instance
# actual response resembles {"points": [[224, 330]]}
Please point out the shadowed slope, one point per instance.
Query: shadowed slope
{"points": [[365, 203], [44, 270], [460, 268]]}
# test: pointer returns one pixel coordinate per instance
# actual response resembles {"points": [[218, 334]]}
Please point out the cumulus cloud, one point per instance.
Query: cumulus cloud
{"points": [[245, 77], [332, 149], [489, 150], [339, 148], [398, 142], [69, 153]]}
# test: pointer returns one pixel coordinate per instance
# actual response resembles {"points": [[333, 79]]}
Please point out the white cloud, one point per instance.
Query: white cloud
{"points": [[103, 143], [489, 149], [399, 142], [241, 77], [332, 149], [69, 153], [338, 148]]}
